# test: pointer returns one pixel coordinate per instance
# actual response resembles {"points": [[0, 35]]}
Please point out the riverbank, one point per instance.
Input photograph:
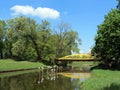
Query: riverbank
{"points": [[102, 80], [7, 65]]}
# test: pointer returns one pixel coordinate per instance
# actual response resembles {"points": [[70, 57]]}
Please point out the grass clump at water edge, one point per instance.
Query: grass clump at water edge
{"points": [[102, 80]]}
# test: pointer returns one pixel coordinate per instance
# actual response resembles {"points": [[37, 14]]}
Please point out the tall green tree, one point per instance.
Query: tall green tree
{"points": [[44, 38], [24, 35], [2, 37], [32, 34], [20, 34], [73, 41], [66, 40], [107, 40], [27, 40]]}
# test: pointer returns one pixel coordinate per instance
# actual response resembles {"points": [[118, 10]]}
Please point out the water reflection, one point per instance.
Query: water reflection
{"points": [[76, 75], [47, 79], [49, 73], [40, 75], [30, 82]]}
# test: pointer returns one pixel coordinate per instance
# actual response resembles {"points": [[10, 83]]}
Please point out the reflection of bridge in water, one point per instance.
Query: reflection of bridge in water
{"points": [[52, 73], [76, 75]]}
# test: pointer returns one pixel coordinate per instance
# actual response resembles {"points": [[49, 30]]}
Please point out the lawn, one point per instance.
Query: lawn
{"points": [[8, 64], [102, 80]]}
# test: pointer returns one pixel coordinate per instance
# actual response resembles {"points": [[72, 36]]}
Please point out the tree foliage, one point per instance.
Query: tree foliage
{"points": [[2, 37], [107, 41], [25, 39], [66, 40]]}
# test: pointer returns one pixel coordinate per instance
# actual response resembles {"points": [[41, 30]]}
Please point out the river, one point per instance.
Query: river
{"points": [[42, 80]]}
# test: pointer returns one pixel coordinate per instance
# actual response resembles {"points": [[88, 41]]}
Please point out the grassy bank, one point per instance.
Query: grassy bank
{"points": [[8, 64], [102, 80]]}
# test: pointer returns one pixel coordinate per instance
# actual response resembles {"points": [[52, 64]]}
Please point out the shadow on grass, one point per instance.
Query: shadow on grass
{"points": [[113, 86]]}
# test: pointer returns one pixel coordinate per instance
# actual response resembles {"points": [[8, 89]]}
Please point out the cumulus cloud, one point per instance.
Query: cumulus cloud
{"points": [[40, 12]]}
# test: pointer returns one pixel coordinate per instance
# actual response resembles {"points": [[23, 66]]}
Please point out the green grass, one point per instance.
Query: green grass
{"points": [[8, 64], [102, 80]]}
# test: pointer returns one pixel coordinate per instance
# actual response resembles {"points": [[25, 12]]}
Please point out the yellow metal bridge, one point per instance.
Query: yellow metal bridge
{"points": [[77, 57]]}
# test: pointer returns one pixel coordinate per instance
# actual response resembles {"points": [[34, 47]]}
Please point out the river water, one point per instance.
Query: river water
{"points": [[42, 80]]}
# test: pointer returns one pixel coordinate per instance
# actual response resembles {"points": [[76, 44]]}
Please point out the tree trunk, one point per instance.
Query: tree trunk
{"points": [[36, 49], [1, 54]]}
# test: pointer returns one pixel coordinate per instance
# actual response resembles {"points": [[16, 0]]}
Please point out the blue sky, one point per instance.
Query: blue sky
{"points": [[82, 15]]}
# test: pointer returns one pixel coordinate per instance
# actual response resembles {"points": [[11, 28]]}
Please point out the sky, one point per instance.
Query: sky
{"points": [[83, 15]]}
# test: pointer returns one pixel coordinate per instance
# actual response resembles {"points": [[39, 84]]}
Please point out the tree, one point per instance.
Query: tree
{"points": [[66, 40], [107, 40], [73, 41], [32, 34], [2, 37], [44, 39], [27, 40], [20, 32]]}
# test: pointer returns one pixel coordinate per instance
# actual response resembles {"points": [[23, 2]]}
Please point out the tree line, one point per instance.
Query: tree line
{"points": [[107, 40], [22, 38]]}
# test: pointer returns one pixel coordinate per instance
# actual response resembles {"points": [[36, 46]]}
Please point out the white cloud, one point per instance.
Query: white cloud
{"points": [[40, 12], [25, 10], [46, 13]]}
